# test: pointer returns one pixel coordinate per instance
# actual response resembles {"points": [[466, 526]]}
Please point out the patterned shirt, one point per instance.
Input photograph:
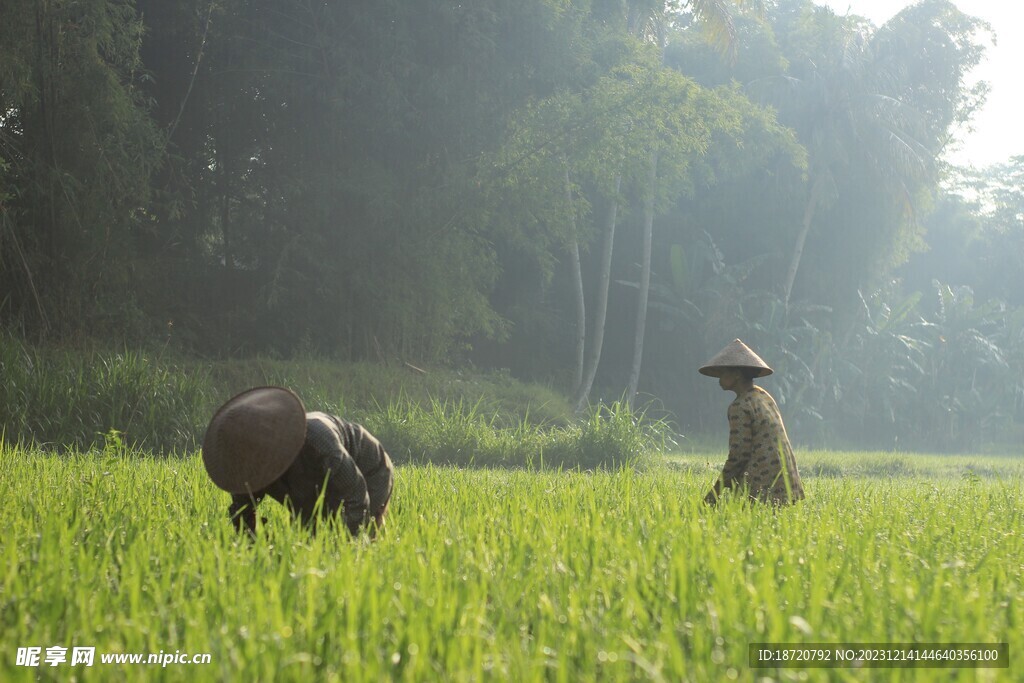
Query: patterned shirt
{"points": [[758, 447], [339, 459]]}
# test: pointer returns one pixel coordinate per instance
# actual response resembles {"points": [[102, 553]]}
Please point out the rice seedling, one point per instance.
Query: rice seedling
{"points": [[504, 574]]}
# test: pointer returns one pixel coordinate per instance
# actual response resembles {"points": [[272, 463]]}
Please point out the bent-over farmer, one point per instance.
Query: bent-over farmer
{"points": [[263, 443], [760, 461]]}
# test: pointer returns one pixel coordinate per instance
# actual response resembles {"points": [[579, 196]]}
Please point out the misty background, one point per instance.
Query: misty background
{"points": [[596, 195]]}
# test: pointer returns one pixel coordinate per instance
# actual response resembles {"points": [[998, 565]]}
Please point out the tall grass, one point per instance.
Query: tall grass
{"points": [[360, 388], [500, 575], [456, 433], [64, 400], [78, 400]]}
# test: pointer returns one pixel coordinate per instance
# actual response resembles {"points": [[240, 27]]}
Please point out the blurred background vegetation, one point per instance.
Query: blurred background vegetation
{"points": [[132, 403], [590, 195]]}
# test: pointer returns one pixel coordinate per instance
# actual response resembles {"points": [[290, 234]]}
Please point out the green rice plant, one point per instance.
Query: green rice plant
{"points": [[872, 466], [507, 574]]}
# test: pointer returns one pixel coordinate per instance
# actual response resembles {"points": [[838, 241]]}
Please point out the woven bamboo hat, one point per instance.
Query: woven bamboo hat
{"points": [[735, 355], [253, 438]]}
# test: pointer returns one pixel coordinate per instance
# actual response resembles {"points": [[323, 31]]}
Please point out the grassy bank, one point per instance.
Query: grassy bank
{"points": [[127, 401], [502, 574]]}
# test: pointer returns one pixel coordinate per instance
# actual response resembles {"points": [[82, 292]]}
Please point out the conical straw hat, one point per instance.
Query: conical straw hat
{"points": [[253, 438], [735, 355]]}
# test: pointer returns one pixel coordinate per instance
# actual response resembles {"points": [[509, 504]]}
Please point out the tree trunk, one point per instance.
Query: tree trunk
{"points": [[45, 76], [645, 281], [577, 282], [600, 314], [225, 207], [798, 249]]}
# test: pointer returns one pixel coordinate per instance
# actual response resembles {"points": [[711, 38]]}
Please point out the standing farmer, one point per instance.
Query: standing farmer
{"points": [[760, 461], [263, 443]]}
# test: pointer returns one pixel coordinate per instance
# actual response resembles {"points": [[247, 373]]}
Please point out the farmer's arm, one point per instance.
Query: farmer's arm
{"points": [[345, 486], [376, 467], [243, 511]]}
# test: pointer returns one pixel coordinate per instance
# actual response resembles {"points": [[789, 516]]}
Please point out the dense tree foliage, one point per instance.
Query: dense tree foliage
{"points": [[563, 189], [76, 151]]}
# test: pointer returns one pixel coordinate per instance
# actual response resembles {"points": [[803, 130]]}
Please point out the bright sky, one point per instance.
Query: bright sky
{"points": [[998, 128]]}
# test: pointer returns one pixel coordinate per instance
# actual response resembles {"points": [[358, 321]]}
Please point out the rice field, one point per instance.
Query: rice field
{"points": [[508, 574]]}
